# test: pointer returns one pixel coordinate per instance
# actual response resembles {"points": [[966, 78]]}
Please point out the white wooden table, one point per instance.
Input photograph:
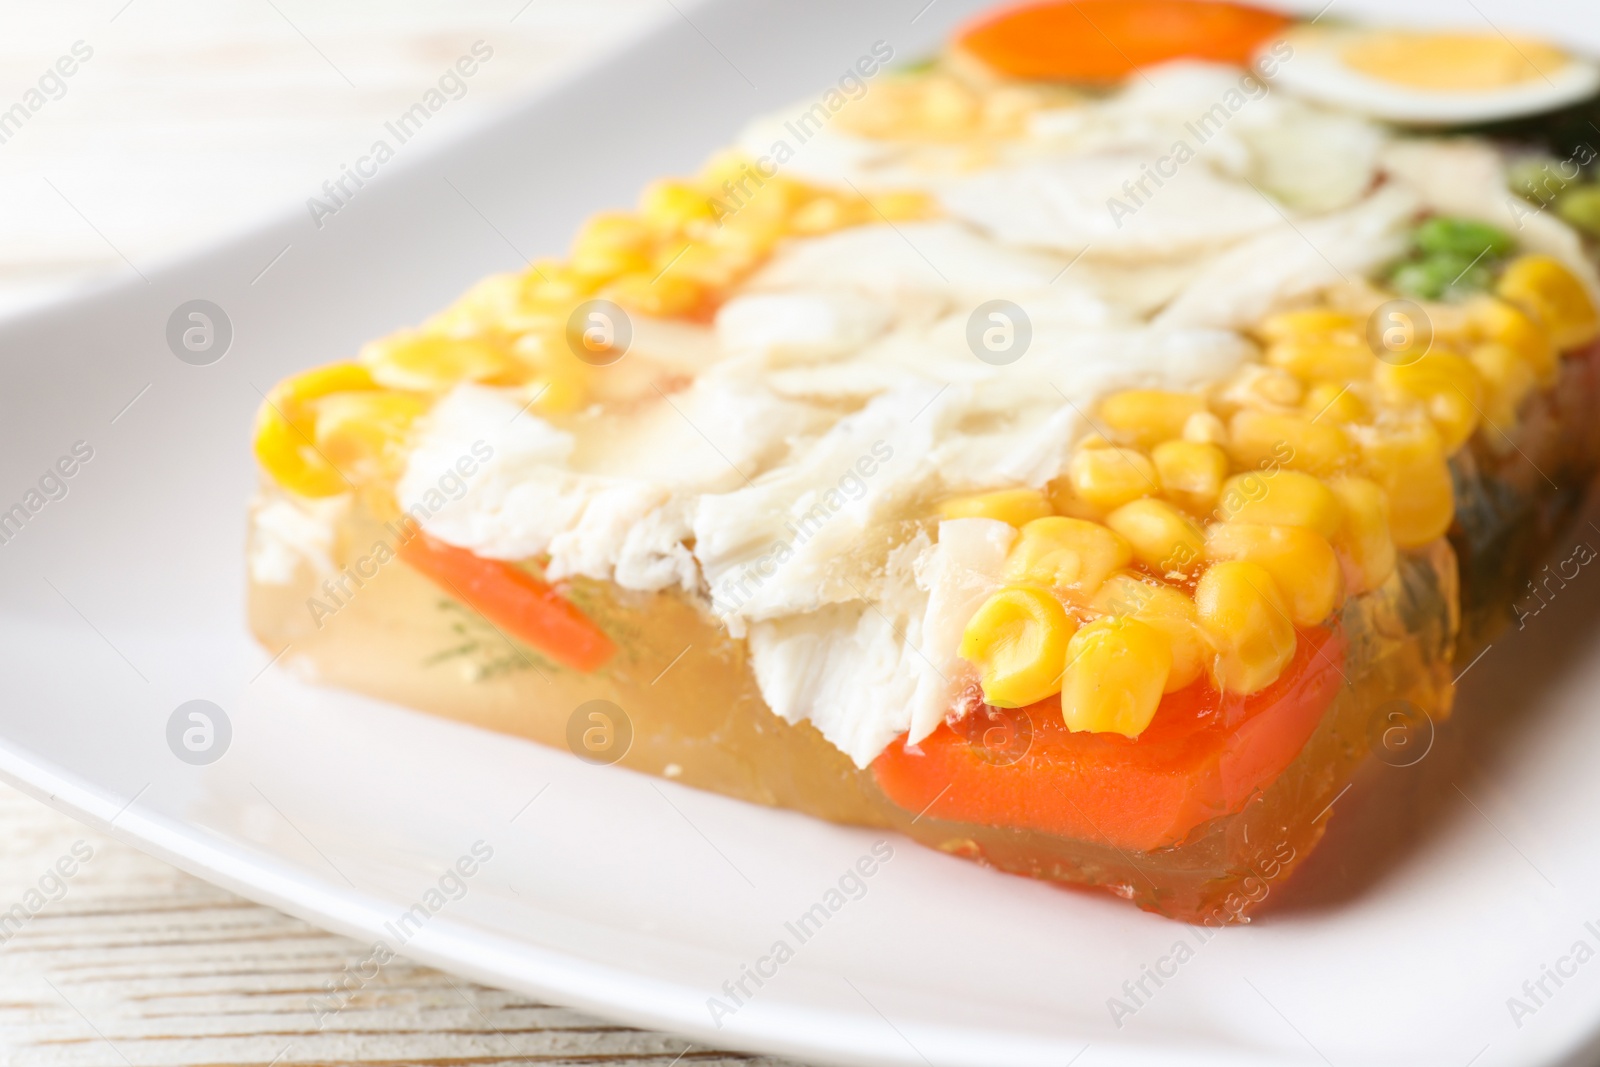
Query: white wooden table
{"points": [[189, 120], [138, 963]]}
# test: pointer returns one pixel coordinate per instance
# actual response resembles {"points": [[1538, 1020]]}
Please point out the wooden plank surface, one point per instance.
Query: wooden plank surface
{"points": [[191, 120], [128, 962]]}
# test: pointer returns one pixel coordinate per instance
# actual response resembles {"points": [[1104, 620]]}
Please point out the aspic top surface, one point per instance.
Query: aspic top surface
{"points": [[769, 455]]}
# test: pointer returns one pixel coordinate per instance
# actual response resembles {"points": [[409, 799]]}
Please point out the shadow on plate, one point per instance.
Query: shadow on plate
{"points": [[1392, 817]]}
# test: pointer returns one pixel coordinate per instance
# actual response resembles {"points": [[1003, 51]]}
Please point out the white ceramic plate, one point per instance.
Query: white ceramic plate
{"points": [[1442, 889]]}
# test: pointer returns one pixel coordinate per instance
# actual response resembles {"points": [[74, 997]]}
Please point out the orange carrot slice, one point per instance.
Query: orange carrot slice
{"points": [[514, 600], [1203, 755]]}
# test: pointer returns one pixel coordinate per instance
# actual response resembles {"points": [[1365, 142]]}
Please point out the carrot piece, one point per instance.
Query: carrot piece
{"points": [[1103, 41], [514, 600], [1204, 755]]}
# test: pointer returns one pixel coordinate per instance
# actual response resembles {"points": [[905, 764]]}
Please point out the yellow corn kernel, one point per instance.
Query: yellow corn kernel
{"points": [[1107, 478], [1552, 294], [1205, 429], [1264, 439], [285, 442], [1262, 388], [1280, 498], [1163, 538], [1507, 381], [1304, 323], [1408, 463], [1146, 417], [708, 265], [614, 230], [1448, 387], [1505, 324], [435, 362], [362, 434], [1169, 611], [750, 233], [1309, 358], [904, 205], [1015, 506], [669, 206], [1333, 402], [288, 454], [1301, 562], [1363, 538], [1117, 670], [1018, 641], [560, 381], [1246, 618], [663, 296], [558, 285], [1190, 473], [828, 213], [491, 301], [1066, 553], [612, 244]]}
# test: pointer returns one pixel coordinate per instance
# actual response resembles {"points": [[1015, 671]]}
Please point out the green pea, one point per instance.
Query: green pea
{"points": [[1440, 277], [1537, 179], [1581, 207], [1444, 236]]}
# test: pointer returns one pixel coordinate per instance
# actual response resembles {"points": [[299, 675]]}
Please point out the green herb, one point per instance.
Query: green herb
{"points": [[482, 649], [1581, 208], [1466, 238], [1452, 258]]}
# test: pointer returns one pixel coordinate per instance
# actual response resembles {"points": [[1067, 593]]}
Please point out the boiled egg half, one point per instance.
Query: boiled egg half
{"points": [[1428, 77]]}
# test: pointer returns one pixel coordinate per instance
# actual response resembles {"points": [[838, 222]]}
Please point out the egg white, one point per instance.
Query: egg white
{"points": [[1317, 71]]}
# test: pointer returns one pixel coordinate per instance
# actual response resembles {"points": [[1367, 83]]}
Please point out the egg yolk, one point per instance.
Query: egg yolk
{"points": [[1457, 62]]}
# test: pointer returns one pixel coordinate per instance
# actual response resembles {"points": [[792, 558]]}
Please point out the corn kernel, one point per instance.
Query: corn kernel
{"points": [[1301, 562], [1447, 385], [1066, 553], [828, 213], [1363, 537], [1205, 428], [751, 233], [663, 296], [1333, 402], [284, 441], [1246, 618], [363, 433], [603, 264], [287, 454], [613, 231], [1169, 611], [670, 206], [904, 205], [1117, 670], [1303, 323], [1505, 324], [1408, 463], [1263, 439], [435, 362], [1553, 295], [492, 300], [1507, 381], [557, 284], [1018, 641], [1280, 498], [1341, 359], [1146, 417], [1015, 506], [707, 265], [1107, 478], [1163, 538], [1190, 473]]}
